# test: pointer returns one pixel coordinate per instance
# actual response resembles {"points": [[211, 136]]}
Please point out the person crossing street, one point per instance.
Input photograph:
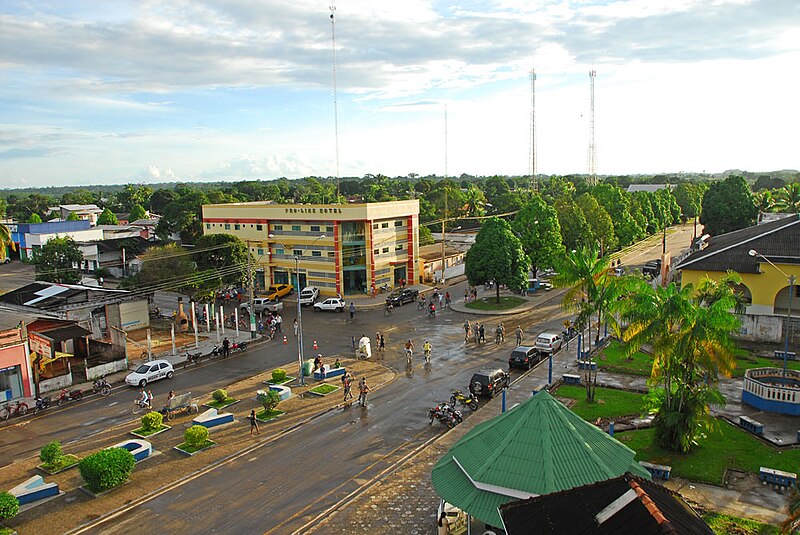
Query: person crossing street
{"points": [[363, 390]]}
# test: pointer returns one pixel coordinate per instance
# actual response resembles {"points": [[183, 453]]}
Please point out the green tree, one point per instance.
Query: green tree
{"points": [[538, 229], [475, 202], [58, 261], [35, 218], [575, 230], [137, 212], [599, 221], [5, 240], [727, 206], [497, 255], [425, 236], [689, 196], [168, 266], [617, 202], [591, 290], [131, 195], [80, 196], [787, 198], [160, 199], [107, 218], [73, 217], [221, 260], [690, 334]]}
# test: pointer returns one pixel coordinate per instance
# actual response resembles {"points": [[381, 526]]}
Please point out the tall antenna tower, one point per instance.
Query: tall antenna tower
{"points": [[592, 146], [445, 141], [534, 182], [335, 101]]}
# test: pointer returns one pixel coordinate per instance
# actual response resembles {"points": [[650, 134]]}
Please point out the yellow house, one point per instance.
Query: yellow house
{"points": [[765, 256], [339, 248]]}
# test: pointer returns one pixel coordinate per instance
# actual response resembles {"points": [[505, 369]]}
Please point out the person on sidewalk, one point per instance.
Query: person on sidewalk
{"points": [[352, 309], [253, 423], [226, 347]]}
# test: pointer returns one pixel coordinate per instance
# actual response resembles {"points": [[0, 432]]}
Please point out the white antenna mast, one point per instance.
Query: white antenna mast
{"points": [[445, 140], [592, 146], [335, 101], [534, 183]]}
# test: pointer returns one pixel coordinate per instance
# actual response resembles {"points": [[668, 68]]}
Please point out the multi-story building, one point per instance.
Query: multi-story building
{"points": [[340, 248]]}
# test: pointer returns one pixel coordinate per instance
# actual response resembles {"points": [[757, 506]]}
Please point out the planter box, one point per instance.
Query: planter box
{"points": [[139, 435], [281, 413], [103, 493], [48, 472], [225, 406], [278, 383], [195, 452], [335, 389]]}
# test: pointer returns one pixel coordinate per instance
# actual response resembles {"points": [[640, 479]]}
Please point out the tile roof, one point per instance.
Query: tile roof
{"points": [[777, 240], [537, 448], [625, 504]]}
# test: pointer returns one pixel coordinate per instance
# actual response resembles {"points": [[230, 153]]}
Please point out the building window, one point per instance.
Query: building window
{"points": [[376, 252], [385, 249], [296, 228], [398, 247], [328, 229], [259, 227], [279, 251], [277, 227], [398, 223], [385, 225], [237, 226], [331, 254], [297, 252], [314, 228], [260, 252], [208, 226], [316, 253], [227, 226], [374, 225]]}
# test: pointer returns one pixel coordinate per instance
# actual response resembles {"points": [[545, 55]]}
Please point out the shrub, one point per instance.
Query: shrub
{"points": [[278, 375], [152, 421], [9, 505], [106, 469], [51, 454], [269, 399], [220, 395], [195, 435]]}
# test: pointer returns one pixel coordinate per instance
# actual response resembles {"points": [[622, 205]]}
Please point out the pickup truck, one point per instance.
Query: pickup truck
{"points": [[308, 295], [262, 304], [399, 297], [277, 291]]}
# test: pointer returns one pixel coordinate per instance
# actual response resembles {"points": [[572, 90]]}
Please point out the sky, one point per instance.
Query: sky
{"points": [[151, 91]]}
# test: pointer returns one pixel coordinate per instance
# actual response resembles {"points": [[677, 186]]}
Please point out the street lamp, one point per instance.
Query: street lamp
{"points": [[299, 309], [790, 278]]}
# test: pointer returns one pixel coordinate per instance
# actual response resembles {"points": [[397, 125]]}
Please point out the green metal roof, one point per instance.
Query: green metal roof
{"points": [[537, 448]]}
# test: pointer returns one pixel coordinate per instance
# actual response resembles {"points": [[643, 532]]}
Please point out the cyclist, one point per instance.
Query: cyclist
{"points": [[409, 350], [427, 347], [388, 310], [432, 310]]}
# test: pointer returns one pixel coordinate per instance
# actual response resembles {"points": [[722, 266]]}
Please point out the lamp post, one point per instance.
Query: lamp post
{"points": [[299, 309], [790, 278]]}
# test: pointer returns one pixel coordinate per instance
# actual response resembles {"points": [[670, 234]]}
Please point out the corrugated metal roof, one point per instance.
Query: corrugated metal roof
{"points": [[538, 448]]}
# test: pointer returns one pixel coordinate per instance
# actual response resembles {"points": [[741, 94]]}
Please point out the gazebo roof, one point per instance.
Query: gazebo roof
{"points": [[537, 448]]}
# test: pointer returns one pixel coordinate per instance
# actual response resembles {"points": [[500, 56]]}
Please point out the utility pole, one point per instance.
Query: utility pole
{"points": [[252, 272], [444, 220]]}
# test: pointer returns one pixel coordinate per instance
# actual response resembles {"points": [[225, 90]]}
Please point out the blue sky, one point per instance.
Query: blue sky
{"points": [[150, 90]]}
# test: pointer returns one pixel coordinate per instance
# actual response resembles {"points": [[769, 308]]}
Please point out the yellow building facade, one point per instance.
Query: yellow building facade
{"points": [[340, 248]]}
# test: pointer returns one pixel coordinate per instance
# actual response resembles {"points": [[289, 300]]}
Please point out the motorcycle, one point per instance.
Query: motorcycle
{"points": [[470, 401], [66, 395], [432, 313], [239, 346], [101, 386], [445, 414], [192, 358], [41, 404]]}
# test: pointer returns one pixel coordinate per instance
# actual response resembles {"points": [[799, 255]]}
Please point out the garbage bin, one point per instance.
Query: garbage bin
{"points": [[307, 367]]}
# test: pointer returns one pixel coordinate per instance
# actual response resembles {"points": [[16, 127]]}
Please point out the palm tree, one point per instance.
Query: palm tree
{"points": [[591, 288], [764, 201], [787, 198], [5, 240], [690, 335], [792, 522]]}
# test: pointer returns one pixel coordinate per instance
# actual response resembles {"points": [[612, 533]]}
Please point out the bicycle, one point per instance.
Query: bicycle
{"points": [[387, 311], [409, 356], [139, 406], [10, 410], [421, 304], [101, 387]]}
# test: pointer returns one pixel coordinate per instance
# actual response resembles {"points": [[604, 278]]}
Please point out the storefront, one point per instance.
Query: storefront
{"points": [[15, 378]]}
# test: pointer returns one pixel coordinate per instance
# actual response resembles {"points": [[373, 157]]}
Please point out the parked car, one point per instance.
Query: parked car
{"points": [[276, 291], [149, 372], [488, 382], [262, 304], [652, 268], [524, 357], [400, 297], [7, 260], [333, 303], [308, 295], [548, 342]]}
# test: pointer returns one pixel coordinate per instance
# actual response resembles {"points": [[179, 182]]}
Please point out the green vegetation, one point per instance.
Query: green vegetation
{"points": [[268, 399], [54, 460], [106, 469], [613, 359], [608, 402], [152, 421], [272, 381], [497, 256], [506, 302], [193, 448], [746, 360], [220, 395], [727, 447], [9, 506], [726, 524], [220, 399], [268, 414], [324, 389], [195, 435], [278, 375]]}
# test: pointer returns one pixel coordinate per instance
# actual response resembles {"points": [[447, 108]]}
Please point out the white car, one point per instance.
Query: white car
{"points": [[309, 295], [548, 342], [150, 371], [262, 304], [333, 303]]}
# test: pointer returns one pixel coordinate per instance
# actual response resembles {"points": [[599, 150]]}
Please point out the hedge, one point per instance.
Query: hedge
{"points": [[106, 469]]}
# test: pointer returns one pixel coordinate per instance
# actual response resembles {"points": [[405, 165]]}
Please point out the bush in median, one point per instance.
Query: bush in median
{"points": [[219, 395], [269, 400], [106, 469], [196, 436], [152, 422], [9, 506], [278, 375], [51, 454]]}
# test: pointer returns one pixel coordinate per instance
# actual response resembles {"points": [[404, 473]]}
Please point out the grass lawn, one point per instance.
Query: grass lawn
{"points": [[609, 403], [612, 359], [490, 303], [147, 432], [214, 404], [324, 389], [746, 360], [65, 462], [268, 415], [188, 448], [728, 447], [274, 382], [725, 524]]}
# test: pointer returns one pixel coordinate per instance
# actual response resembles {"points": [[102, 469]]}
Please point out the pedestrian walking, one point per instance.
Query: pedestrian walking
{"points": [[363, 390], [519, 335], [467, 330], [502, 332], [347, 385], [476, 332], [279, 323], [441, 301], [295, 327], [354, 343], [482, 334], [447, 299], [352, 309], [466, 295], [253, 423], [382, 346]]}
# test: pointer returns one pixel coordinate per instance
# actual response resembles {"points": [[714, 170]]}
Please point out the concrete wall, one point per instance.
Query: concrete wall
{"points": [[105, 369], [756, 328], [134, 315], [56, 383]]}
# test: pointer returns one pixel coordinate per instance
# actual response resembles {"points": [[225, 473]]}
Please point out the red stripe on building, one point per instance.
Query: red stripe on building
{"points": [[337, 258]]}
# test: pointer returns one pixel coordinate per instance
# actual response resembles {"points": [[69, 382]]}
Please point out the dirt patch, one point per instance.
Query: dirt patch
{"points": [[160, 342], [75, 508]]}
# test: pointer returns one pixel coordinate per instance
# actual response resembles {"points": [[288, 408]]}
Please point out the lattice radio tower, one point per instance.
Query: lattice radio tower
{"points": [[592, 146], [534, 182], [335, 101]]}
